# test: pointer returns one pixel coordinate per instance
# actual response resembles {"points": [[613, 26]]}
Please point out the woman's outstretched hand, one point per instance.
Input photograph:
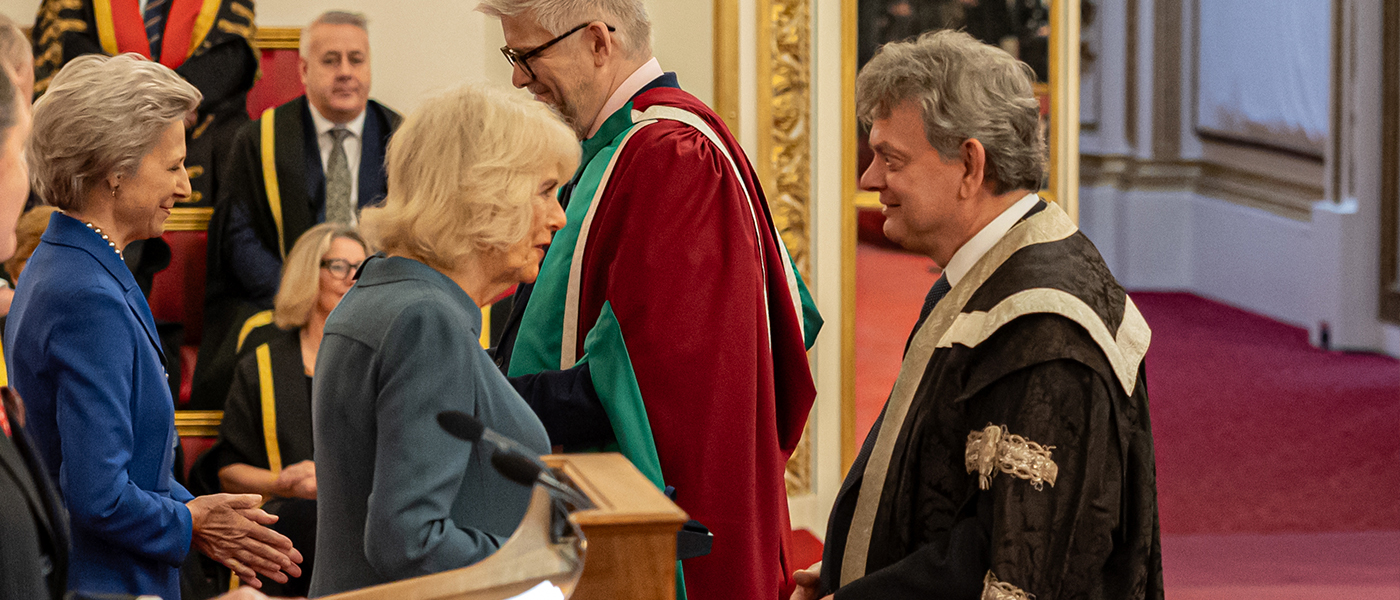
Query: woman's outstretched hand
{"points": [[231, 529]]}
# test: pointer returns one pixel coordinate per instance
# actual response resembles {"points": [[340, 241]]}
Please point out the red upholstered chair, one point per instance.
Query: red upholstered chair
{"points": [[177, 293]]}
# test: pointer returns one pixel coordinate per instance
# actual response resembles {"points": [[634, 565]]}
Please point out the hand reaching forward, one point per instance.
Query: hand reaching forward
{"points": [[297, 481], [230, 528], [808, 582]]}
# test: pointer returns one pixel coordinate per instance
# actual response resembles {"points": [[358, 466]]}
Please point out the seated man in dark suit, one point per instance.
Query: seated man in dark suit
{"points": [[327, 153]]}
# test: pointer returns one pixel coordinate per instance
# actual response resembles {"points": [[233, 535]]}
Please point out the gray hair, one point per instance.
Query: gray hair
{"points": [[15, 52], [967, 90], [331, 17], [557, 16], [101, 115], [9, 106]]}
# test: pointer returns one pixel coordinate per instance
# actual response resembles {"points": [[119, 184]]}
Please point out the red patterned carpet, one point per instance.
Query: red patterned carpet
{"points": [[1273, 457]]}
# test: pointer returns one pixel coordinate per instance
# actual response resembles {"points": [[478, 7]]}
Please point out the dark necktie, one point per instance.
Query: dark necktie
{"points": [[937, 292], [155, 24], [338, 206]]}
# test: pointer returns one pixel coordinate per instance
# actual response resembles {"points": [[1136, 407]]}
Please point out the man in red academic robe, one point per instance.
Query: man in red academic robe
{"points": [[667, 319]]}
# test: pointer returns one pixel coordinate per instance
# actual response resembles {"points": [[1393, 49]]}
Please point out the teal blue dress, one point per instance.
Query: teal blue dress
{"points": [[397, 497]]}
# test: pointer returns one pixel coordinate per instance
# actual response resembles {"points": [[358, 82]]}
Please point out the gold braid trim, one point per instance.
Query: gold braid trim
{"points": [[244, 31], [992, 589], [60, 26], [993, 449], [243, 11]]}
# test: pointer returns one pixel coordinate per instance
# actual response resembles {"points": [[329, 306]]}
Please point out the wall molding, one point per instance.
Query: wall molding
{"points": [[277, 38], [1166, 76], [784, 157], [1390, 165], [1223, 182]]}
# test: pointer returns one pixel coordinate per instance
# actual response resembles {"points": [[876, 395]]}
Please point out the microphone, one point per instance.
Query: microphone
{"points": [[509, 458]]}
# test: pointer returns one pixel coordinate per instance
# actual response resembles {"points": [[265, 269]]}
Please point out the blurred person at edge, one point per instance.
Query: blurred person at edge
{"points": [[18, 61]]}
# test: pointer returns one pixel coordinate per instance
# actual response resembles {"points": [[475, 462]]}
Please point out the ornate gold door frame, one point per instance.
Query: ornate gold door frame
{"points": [[1063, 186], [783, 157]]}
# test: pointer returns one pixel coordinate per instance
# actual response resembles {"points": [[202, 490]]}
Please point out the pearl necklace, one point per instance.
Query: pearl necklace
{"points": [[109, 241]]}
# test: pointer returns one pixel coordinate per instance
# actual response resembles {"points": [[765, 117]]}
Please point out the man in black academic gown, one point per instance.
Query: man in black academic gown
{"points": [[1013, 458], [328, 151]]}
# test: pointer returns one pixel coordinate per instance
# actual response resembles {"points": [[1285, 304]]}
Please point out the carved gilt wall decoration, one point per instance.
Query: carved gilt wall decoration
{"points": [[784, 160]]}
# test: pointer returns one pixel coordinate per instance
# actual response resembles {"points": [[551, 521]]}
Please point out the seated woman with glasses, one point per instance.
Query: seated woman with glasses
{"points": [[264, 442]]}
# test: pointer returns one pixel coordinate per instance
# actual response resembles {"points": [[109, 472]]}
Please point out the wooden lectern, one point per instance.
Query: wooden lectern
{"points": [[627, 548]]}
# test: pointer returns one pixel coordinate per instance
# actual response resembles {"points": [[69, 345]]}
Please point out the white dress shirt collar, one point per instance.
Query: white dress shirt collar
{"points": [[972, 251], [324, 125], [634, 83]]}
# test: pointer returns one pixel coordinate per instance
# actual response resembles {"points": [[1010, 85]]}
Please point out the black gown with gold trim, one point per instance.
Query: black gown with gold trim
{"points": [[219, 60], [1020, 461], [269, 428]]}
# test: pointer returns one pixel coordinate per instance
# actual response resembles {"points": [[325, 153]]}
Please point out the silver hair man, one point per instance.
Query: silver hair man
{"points": [[330, 17], [967, 90], [100, 116], [557, 16]]}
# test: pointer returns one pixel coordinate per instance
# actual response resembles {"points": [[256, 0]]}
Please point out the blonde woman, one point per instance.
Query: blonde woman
{"points": [[31, 226], [470, 213], [277, 462]]}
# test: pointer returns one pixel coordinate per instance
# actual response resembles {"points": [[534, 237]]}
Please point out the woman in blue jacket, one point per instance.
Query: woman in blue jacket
{"points": [[108, 149]]}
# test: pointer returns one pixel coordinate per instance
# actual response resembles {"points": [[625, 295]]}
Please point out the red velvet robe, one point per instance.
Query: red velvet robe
{"points": [[700, 294]]}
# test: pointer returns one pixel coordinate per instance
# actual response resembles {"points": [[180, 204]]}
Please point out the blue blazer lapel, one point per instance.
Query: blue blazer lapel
{"points": [[137, 303], [67, 231]]}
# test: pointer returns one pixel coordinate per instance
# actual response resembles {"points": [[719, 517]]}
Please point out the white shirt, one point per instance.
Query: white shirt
{"points": [[352, 144], [972, 251], [634, 83]]}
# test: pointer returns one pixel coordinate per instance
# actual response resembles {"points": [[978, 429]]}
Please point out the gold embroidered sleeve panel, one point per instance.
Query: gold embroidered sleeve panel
{"points": [[994, 450], [993, 589]]}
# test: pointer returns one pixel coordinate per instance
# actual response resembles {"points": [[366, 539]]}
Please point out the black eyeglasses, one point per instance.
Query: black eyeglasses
{"points": [[340, 267], [516, 57]]}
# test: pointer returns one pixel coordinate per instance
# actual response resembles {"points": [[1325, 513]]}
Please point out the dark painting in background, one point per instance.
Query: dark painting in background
{"points": [[1021, 27]]}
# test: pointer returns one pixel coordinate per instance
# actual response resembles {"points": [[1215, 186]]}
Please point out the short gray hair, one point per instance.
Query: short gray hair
{"points": [[967, 90], [101, 115], [15, 51], [557, 16], [9, 106], [331, 17]]}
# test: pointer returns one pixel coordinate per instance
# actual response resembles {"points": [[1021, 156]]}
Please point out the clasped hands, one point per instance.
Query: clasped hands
{"points": [[296, 481], [231, 529]]}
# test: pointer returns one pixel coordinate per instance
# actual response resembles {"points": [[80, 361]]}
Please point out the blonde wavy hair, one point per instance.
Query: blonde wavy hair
{"points": [[463, 170], [301, 274], [28, 230]]}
